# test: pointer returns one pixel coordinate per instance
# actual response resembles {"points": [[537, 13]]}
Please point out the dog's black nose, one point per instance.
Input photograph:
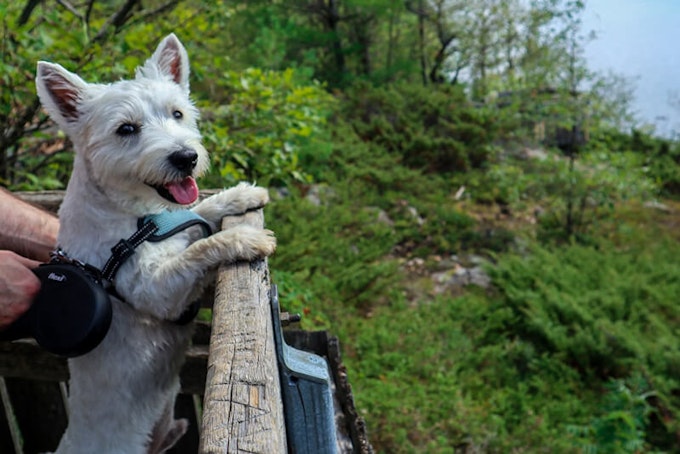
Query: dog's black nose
{"points": [[184, 160]]}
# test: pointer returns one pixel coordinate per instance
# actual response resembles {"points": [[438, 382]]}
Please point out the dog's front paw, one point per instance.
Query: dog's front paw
{"points": [[244, 242], [233, 201], [250, 197], [256, 243]]}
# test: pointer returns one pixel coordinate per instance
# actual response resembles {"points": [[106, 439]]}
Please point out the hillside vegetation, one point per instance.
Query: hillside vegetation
{"points": [[405, 143]]}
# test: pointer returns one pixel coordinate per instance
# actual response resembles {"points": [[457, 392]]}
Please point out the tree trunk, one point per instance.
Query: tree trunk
{"points": [[421, 41]]}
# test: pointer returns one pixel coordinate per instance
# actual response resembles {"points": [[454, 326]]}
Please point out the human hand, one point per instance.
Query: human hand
{"points": [[18, 286]]}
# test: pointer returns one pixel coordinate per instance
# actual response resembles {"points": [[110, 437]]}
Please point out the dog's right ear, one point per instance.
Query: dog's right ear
{"points": [[60, 92], [169, 60]]}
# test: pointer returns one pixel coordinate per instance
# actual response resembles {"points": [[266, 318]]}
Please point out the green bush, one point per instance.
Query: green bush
{"points": [[334, 249], [604, 312], [266, 120], [571, 197], [430, 380], [433, 128], [659, 158], [621, 422]]}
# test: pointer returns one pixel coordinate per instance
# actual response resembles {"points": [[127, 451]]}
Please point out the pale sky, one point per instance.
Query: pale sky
{"points": [[640, 38]]}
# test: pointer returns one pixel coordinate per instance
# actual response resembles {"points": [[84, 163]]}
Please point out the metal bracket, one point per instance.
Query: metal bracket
{"points": [[306, 388]]}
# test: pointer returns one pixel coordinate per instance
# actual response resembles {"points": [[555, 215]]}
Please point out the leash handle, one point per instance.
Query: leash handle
{"points": [[71, 314]]}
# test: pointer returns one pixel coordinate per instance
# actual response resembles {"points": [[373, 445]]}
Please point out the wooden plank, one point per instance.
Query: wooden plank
{"points": [[47, 200], [40, 413], [242, 409], [51, 200], [27, 360], [10, 435]]}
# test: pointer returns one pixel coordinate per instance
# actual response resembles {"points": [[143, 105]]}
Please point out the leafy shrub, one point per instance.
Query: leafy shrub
{"points": [[334, 249], [571, 196], [265, 121], [430, 380], [431, 128], [658, 158], [621, 425], [553, 357], [425, 219], [603, 312], [585, 191]]}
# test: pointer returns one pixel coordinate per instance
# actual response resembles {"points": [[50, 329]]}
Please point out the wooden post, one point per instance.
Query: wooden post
{"points": [[243, 410]]}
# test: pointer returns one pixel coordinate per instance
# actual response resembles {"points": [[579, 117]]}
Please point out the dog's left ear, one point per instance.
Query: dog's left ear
{"points": [[61, 93], [172, 60]]}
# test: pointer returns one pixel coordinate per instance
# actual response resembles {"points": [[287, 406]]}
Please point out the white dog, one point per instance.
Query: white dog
{"points": [[137, 152]]}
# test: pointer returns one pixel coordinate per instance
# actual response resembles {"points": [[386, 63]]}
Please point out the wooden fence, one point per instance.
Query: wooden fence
{"points": [[231, 392]]}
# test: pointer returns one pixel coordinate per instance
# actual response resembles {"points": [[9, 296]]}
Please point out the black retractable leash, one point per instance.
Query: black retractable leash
{"points": [[72, 312]]}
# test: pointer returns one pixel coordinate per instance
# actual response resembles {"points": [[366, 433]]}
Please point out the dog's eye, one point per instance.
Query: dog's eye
{"points": [[177, 114], [127, 129]]}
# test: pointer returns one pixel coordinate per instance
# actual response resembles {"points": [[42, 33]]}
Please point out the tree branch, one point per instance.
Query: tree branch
{"points": [[27, 11], [71, 9], [155, 12], [117, 20]]}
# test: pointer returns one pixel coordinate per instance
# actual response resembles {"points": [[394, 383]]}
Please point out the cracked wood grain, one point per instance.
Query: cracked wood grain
{"points": [[242, 411]]}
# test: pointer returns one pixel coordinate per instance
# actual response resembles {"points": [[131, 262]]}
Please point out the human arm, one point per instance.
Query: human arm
{"points": [[27, 235], [26, 229]]}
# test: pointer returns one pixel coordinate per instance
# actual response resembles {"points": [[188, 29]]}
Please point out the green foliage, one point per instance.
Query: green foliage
{"points": [[660, 157], [20, 50], [335, 249], [429, 383], [37, 173], [434, 129], [571, 195], [418, 206], [297, 297], [586, 190], [621, 426], [604, 312], [265, 121], [572, 351]]}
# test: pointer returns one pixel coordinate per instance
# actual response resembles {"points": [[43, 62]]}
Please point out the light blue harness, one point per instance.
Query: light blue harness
{"points": [[171, 222]]}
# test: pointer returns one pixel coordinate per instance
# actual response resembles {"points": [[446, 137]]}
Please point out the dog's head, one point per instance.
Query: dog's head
{"points": [[136, 140]]}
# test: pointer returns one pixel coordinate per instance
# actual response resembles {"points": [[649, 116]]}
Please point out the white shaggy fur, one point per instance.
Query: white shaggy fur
{"points": [[121, 394]]}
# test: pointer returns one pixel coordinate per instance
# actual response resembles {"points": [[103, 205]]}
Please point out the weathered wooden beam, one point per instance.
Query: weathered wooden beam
{"points": [[47, 200], [242, 410], [26, 359], [51, 200]]}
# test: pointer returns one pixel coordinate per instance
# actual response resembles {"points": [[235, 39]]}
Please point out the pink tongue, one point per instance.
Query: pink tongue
{"points": [[185, 191]]}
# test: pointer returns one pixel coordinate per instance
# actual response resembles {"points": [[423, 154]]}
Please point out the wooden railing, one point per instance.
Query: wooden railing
{"points": [[231, 392]]}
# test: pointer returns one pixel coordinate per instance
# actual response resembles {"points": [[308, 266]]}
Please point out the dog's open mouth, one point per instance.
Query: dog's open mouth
{"points": [[183, 192]]}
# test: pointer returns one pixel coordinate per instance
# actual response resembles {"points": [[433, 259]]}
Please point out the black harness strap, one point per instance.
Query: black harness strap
{"points": [[125, 248]]}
